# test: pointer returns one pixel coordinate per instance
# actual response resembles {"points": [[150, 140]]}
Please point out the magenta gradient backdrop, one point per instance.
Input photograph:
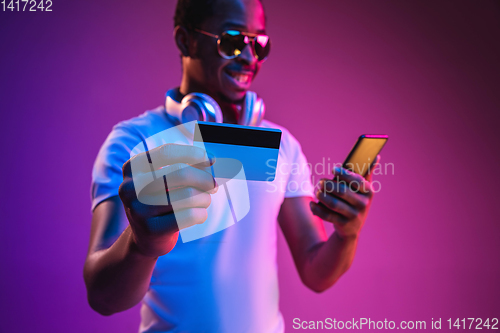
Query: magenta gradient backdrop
{"points": [[426, 73]]}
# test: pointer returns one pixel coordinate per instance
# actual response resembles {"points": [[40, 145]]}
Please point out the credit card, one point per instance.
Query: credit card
{"points": [[236, 147]]}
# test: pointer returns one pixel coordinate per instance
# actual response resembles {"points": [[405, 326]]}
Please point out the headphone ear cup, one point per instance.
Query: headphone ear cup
{"points": [[172, 107], [192, 110], [259, 111], [194, 106], [206, 107], [253, 110]]}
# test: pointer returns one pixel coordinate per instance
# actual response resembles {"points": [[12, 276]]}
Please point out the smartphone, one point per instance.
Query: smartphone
{"points": [[364, 153]]}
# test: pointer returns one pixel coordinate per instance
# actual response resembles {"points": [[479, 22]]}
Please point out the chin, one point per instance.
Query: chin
{"points": [[233, 97]]}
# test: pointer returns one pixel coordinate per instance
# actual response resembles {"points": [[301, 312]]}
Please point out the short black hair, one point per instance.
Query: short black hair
{"points": [[191, 13]]}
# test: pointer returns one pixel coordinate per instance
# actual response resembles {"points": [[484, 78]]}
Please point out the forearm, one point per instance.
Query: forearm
{"points": [[118, 277], [325, 263]]}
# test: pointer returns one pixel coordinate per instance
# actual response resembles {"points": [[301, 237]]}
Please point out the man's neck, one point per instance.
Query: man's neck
{"points": [[230, 111]]}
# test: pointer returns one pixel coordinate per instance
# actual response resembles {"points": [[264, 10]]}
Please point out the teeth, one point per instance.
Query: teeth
{"points": [[242, 78]]}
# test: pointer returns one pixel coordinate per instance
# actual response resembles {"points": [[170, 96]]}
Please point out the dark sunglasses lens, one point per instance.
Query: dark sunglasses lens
{"points": [[262, 46], [232, 44]]}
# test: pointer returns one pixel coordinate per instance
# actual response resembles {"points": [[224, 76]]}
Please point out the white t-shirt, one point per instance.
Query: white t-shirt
{"points": [[225, 282]]}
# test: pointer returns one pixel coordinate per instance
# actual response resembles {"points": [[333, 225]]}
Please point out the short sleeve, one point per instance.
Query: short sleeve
{"points": [[107, 171], [299, 178]]}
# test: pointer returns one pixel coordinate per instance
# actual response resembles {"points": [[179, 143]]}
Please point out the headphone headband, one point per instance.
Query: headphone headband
{"points": [[199, 106]]}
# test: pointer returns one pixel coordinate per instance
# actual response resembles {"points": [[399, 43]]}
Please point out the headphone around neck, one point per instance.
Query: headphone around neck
{"points": [[198, 106]]}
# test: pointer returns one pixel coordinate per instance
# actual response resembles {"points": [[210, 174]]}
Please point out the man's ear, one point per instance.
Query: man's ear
{"points": [[182, 40]]}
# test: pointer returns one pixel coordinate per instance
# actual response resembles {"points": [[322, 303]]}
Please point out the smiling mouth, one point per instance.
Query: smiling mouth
{"points": [[240, 77]]}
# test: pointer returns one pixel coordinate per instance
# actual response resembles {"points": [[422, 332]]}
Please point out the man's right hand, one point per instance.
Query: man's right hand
{"points": [[155, 227]]}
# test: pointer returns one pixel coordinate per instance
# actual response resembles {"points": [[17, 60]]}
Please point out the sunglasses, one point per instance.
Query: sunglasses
{"points": [[231, 43]]}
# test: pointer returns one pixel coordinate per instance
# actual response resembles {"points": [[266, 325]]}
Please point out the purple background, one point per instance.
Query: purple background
{"points": [[427, 73]]}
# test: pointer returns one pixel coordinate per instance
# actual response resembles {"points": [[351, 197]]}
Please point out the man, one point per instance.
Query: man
{"points": [[226, 282]]}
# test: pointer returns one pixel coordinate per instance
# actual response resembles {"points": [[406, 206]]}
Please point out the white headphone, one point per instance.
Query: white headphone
{"points": [[198, 106]]}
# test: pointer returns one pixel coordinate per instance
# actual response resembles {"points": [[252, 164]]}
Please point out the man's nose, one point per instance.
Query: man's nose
{"points": [[247, 55]]}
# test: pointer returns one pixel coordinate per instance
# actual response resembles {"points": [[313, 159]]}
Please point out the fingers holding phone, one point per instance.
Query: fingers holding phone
{"points": [[346, 199]]}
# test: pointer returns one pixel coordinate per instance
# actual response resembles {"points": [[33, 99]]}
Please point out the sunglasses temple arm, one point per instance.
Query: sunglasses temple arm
{"points": [[207, 33]]}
